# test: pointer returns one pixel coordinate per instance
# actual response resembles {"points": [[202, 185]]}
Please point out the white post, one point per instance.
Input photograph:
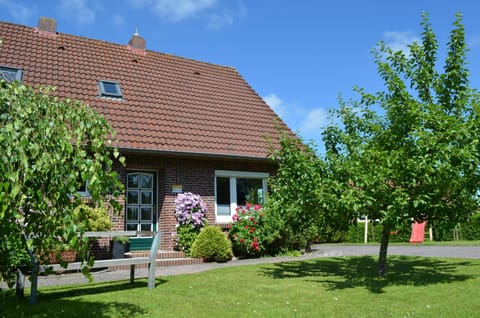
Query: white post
{"points": [[365, 235], [430, 233]]}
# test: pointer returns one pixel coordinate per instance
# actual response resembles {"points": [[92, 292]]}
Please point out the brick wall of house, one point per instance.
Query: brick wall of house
{"points": [[195, 175]]}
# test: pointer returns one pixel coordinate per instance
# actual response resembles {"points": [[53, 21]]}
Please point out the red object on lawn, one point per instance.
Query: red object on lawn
{"points": [[418, 232]]}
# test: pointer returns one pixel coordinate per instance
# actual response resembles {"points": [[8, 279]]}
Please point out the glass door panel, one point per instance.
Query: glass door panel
{"points": [[140, 202]]}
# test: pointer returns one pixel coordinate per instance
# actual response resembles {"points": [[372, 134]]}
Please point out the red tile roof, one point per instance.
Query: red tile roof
{"points": [[171, 104]]}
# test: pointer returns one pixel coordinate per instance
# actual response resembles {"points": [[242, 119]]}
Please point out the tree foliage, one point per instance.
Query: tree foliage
{"points": [[412, 151], [307, 194], [49, 147]]}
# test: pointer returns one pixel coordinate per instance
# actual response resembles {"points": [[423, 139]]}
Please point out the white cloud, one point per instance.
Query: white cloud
{"points": [[138, 4], [399, 41], [276, 104], [19, 12], [179, 10], [473, 40], [214, 15], [307, 122], [314, 121], [218, 21], [228, 17], [78, 9], [118, 20], [242, 10]]}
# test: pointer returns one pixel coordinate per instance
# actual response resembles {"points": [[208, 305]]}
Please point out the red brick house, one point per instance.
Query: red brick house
{"points": [[183, 125]]}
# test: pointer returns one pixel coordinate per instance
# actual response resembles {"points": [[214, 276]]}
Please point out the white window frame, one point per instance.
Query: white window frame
{"points": [[84, 193], [233, 175]]}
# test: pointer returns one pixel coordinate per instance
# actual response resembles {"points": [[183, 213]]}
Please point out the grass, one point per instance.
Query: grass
{"points": [[324, 287]]}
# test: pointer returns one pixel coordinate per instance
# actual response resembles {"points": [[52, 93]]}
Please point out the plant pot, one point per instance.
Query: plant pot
{"points": [[119, 249]]}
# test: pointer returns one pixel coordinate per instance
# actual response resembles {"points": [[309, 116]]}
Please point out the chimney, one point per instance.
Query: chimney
{"points": [[47, 25], [137, 42]]}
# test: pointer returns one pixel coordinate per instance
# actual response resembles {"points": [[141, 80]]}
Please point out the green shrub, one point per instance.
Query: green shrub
{"points": [[442, 231], [184, 238], [92, 218], [471, 229], [212, 245], [356, 233], [448, 231]]}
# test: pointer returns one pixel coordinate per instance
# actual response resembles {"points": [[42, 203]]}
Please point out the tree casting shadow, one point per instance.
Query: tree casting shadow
{"points": [[341, 273]]}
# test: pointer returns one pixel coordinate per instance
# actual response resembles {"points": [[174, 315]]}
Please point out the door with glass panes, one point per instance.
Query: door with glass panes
{"points": [[140, 202]]}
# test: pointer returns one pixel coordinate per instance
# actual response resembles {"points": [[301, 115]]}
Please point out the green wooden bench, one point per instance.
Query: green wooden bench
{"points": [[151, 261]]}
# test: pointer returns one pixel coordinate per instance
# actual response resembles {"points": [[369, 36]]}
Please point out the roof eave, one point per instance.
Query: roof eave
{"points": [[188, 154]]}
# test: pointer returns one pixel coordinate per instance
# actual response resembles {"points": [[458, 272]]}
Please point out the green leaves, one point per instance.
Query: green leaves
{"points": [[420, 151], [307, 193], [47, 145]]}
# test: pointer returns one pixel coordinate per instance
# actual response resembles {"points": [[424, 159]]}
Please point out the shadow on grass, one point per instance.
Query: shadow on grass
{"points": [[92, 289], [61, 302], [342, 273], [70, 308]]}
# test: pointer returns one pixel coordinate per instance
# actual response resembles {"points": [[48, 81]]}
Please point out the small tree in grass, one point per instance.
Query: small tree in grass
{"points": [[49, 148], [418, 158]]}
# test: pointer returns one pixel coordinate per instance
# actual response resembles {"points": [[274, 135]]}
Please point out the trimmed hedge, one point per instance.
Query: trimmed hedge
{"points": [[356, 233], [468, 231], [212, 245]]}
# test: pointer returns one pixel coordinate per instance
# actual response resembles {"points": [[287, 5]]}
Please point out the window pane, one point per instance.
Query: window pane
{"points": [[132, 197], [147, 197], [132, 227], [132, 213], [223, 191], [146, 227], [146, 214], [132, 181], [147, 181], [249, 191], [10, 74], [110, 88]]}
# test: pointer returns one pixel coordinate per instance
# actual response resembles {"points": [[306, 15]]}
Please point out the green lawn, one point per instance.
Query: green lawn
{"points": [[326, 287]]}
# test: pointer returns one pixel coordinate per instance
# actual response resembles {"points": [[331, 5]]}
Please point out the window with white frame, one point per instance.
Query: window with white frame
{"points": [[83, 189], [237, 188]]}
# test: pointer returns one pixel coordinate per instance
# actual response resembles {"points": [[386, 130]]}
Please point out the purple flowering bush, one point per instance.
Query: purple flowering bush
{"points": [[190, 212]]}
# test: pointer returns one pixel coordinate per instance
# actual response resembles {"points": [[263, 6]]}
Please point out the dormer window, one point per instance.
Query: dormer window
{"points": [[10, 74], [109, 89]]}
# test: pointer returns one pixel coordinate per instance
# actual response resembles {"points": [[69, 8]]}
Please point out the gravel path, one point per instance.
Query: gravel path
{"points": [[320, 250]]}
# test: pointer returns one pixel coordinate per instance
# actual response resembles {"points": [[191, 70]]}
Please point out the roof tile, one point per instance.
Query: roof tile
{"points": [[170, 103]]}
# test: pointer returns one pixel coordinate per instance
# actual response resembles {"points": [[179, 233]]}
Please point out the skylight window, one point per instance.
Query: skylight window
{"points": [[109, 89], [10, 74]]}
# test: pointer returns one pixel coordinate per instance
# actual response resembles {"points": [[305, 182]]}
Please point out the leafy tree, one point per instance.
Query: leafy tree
{"points": [[307, 194], [49, 147], [412, 151]]}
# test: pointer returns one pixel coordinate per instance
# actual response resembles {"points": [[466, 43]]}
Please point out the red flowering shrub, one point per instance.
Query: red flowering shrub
{"points": [[247, 232]]}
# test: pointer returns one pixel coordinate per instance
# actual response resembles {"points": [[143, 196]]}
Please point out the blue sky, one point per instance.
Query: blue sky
{"points": [[298, 55]]}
